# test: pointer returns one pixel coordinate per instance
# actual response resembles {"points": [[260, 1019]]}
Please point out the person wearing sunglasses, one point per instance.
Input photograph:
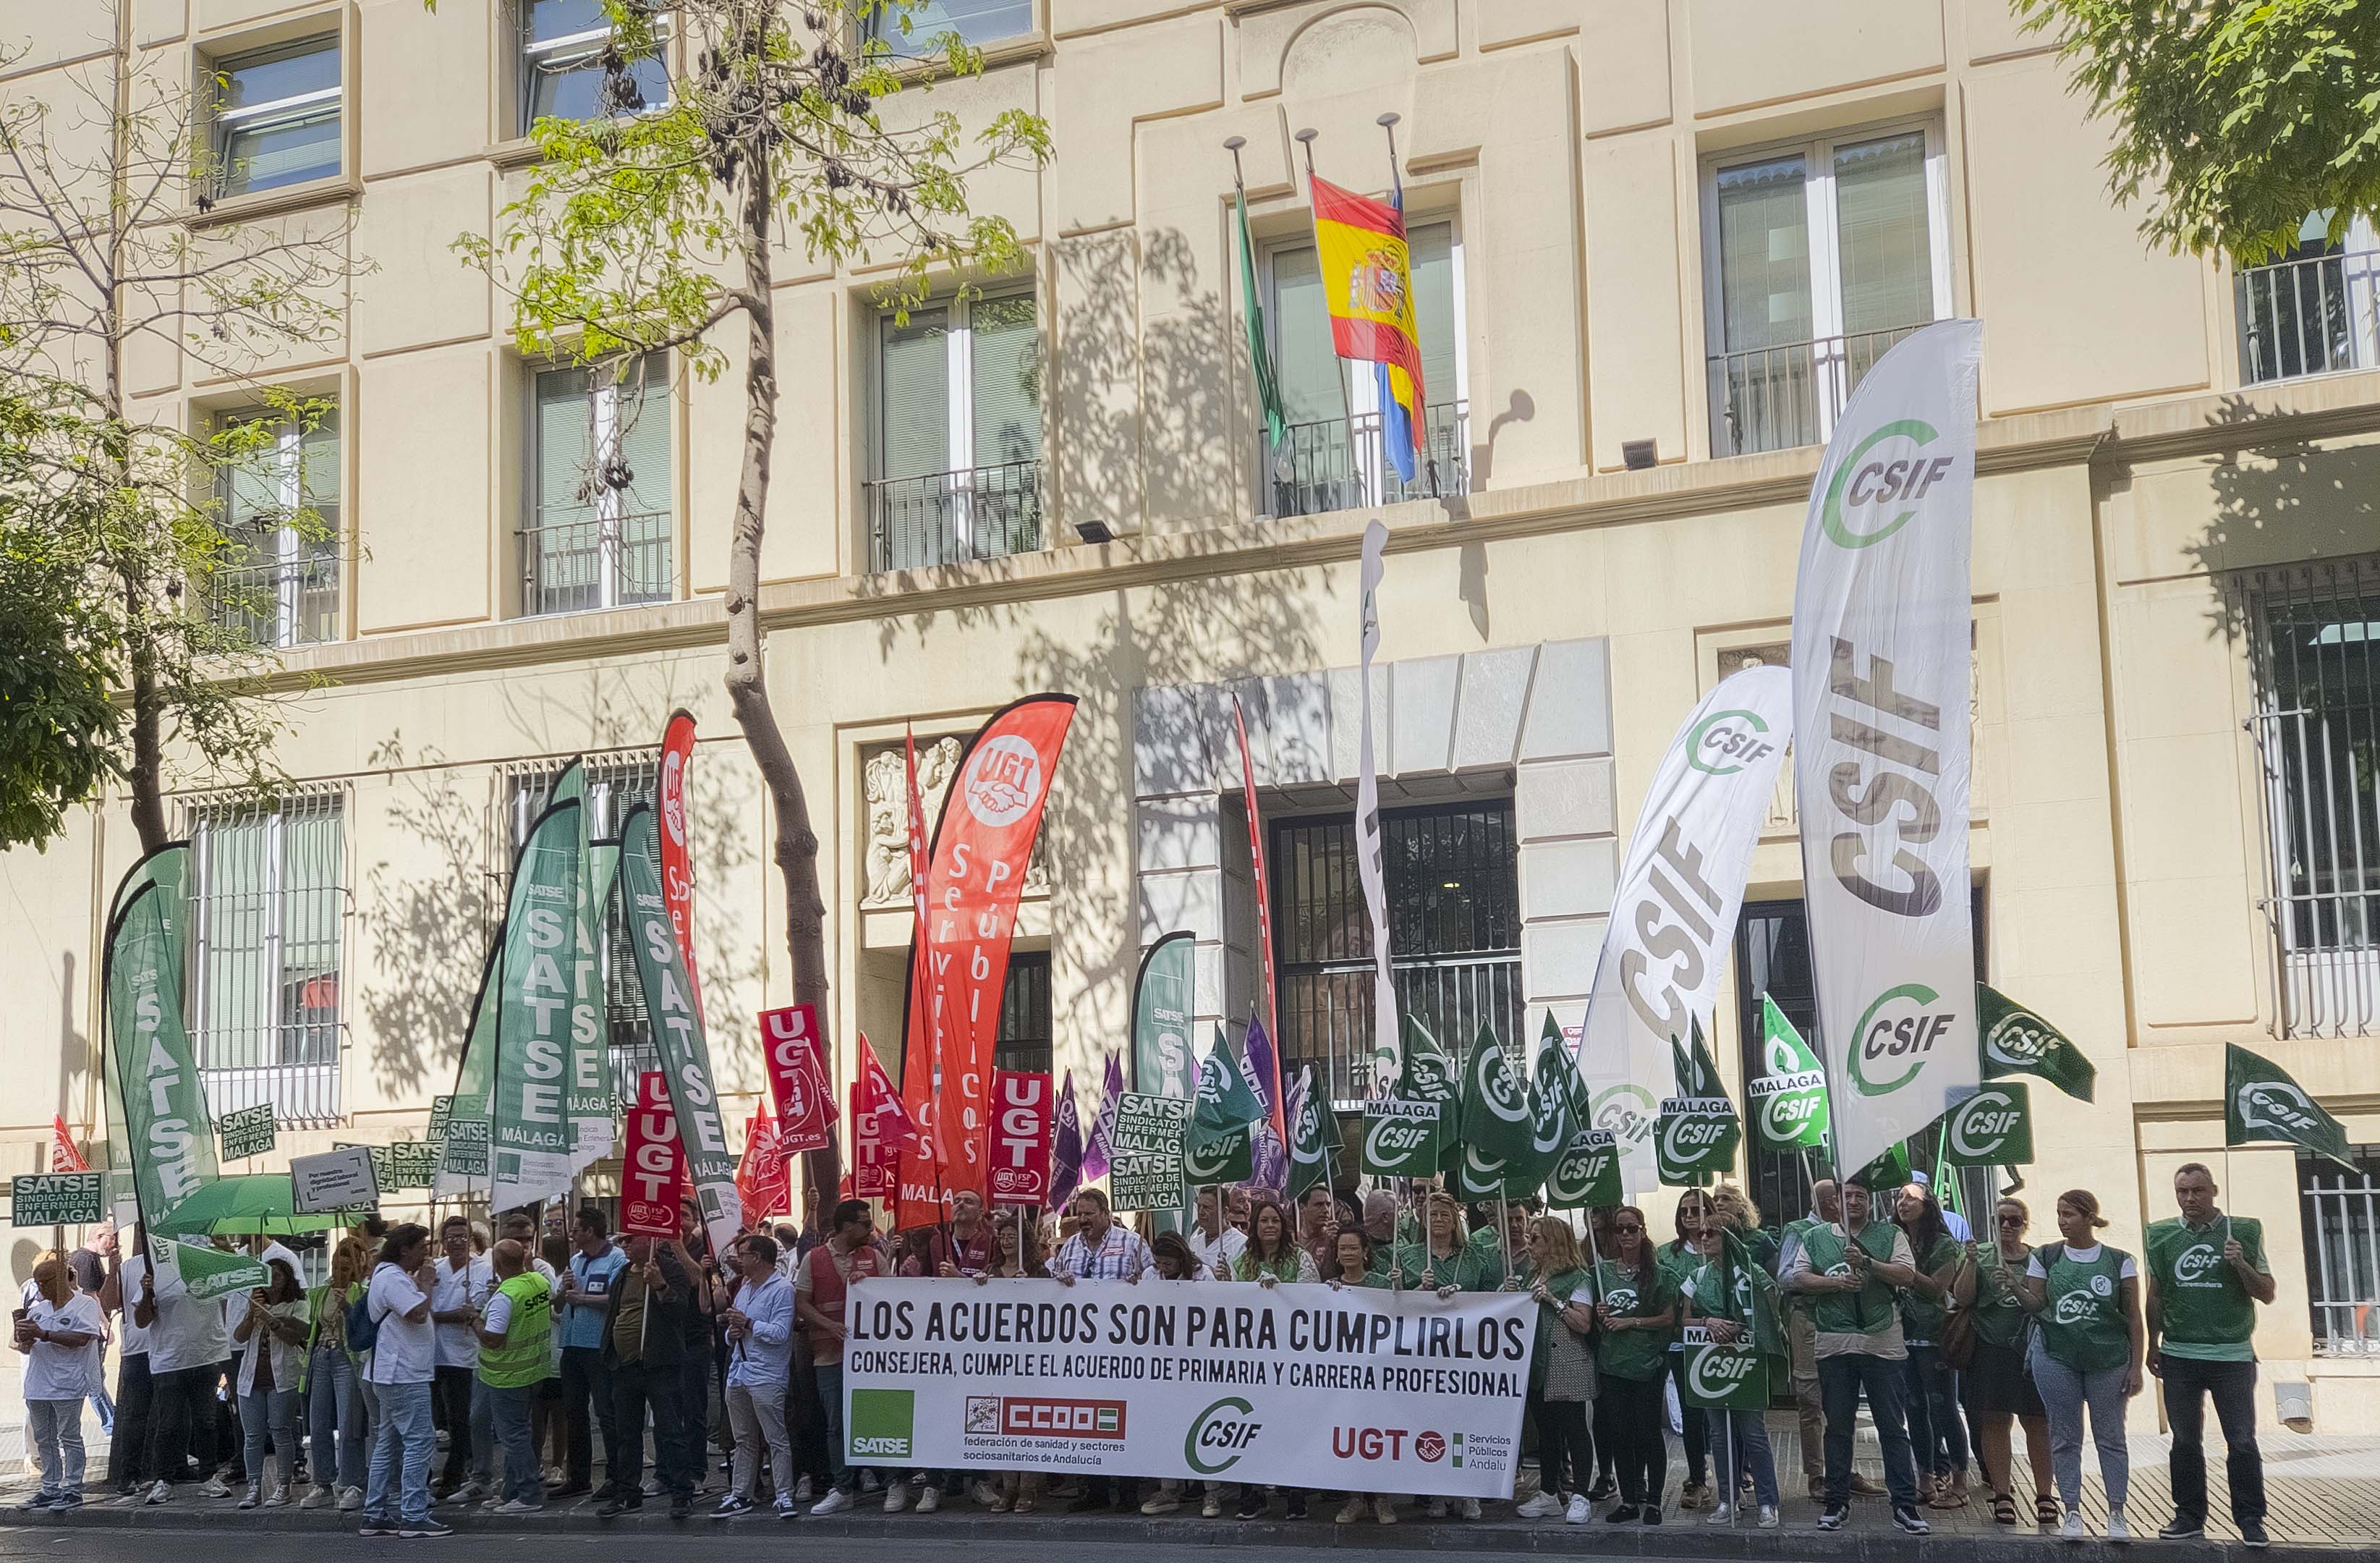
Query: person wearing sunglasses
{"points": [[1995, 1388], [1634, 1312]]}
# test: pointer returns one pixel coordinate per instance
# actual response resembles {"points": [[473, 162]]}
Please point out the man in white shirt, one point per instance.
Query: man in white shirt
{"points": [[459, 1290], [1217, 1247], [188, 1343], [128, 1452], [759, 1325], [403, 1364]]}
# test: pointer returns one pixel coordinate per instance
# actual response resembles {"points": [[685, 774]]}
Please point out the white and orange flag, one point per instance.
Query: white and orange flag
{"points": [[64, 1157]]}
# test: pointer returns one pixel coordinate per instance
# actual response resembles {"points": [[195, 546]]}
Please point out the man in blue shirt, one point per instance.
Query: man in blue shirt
{"points": [[581, 1296]]}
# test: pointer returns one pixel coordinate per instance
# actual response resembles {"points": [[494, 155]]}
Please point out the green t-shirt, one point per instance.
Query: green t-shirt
{"points": [[1999, 1312], [2204, 1310], [1677, 1265], [1490, 1265], [1463, 1271], [1921, 1317], [1635, 1354], [1868, 1310], [1798, 1232], [2083, 1311]]}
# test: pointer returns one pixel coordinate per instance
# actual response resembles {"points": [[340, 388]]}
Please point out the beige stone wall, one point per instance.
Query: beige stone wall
{"points": [[2118, 830]]}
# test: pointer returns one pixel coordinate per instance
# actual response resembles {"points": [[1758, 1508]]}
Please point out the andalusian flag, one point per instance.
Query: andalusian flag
{"points": [[1259, 351], [1367, 286]]}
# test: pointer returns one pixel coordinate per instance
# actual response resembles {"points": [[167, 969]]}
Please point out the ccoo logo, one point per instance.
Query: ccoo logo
{"points": [[1894, 1037], [1726, 741], [1872, 487]]}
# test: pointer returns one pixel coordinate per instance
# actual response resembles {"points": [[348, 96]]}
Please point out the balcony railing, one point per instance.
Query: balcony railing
{"points": [[279, 590], [1326, 1015], [1776, 397], [949, 518], [2312, 316], [1315, 469], [304, 1095], [594, 562]]}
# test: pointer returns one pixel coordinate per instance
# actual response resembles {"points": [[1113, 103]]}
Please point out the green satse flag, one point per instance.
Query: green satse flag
{"points": [[677, 1029], [168, 868], [2260, 1102], [462, 1155], [1260, 351], [1311, 1142], [1218, 1149], [531, 1141], [2015, 1041], [168, 1133], [1428, 1076], [1550, 1123], [587, 1096], [1495, 1121], [1789, 1100]]}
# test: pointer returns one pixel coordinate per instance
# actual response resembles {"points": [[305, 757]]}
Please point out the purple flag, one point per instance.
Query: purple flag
{"points": [[1268, 1156], [1095, 1158], [1066, 1148]]}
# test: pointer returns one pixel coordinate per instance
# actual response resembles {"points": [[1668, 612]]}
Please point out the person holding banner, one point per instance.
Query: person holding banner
{"points": [[1852, 1271], [1561, 1373], [58, 1332], [1016, 1256], [645, 1348], [1215, 1246], [2207, 1272], [1937, 1435], [1718, 1299], [2086, 1295], [1997, 1386], [1271, 1257], [1631, 1361]]}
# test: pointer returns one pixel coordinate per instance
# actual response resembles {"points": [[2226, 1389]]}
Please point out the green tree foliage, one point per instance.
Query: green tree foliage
{"points": [[2234, 119], [57, 725]]}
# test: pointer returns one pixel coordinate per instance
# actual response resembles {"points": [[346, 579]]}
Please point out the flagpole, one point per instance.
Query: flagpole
{"points": [[1346, 406], [1239, 188], [1388, 122]]}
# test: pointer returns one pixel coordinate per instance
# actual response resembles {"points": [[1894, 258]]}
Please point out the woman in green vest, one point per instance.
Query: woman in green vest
{"points": [[1680, 1258], [1351, 1265], [2086, 1295], [1561, 1373], [1937, 1435], [1996, 1386], [1634, 1319]]}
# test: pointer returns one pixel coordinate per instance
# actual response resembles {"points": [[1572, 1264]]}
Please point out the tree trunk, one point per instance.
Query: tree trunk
{"points": [[797, 849], [147, 774]]}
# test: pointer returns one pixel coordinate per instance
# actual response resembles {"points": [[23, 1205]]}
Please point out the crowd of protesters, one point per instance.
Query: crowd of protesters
{"points": [[513, 1353]]}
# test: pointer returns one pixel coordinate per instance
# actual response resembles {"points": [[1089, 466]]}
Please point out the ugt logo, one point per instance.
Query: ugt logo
{"points": [[1892, 1044]]}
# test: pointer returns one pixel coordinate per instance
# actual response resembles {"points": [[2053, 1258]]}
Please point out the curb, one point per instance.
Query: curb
{"points": [[1689, 1539]]}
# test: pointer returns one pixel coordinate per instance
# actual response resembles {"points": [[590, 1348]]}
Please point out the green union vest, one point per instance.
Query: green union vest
{"points": [[2083, 1309], [2204, 1310], [525, 1357], [1868, 1310]]}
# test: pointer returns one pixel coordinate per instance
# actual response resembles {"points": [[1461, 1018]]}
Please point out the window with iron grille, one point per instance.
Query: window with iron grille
{"points": [[1024, 1039], [268, 909], [2340, 1212], [1454, 934], [957, 433], [976, 23], [616, 783], [2313, 652]]}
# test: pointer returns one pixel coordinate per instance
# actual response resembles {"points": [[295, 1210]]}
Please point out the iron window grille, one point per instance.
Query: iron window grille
{"points": [[1023, 1040], [2341, 1213]]}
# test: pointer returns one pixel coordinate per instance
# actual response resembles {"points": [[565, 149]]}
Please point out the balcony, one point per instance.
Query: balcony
{"points": [[1326, 1014], [951, 518], [2308, 316], [593, 562], [278, 590], [1777, 397], [1315, 469]]}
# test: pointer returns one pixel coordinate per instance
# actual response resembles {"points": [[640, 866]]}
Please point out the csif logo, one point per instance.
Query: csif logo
{"points": [[1891, 1045], [1219, 1435], [1501, 1090], [1625, 1111], [1690, 1135], [1873, 484], [1717, 1372], [2077, 1307], [1726, 741], [2276, 1106], [1980, 1129], [2193, 1265], [2018, 1042], [1790, 1106]]}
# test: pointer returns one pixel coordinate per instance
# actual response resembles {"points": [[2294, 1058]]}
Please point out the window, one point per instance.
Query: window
{"points": [[2311, 312], [616, 783], [1820, 257], [268, 903], [1024, 1039], [1321, 394], [602, 518], [2340, 1212], [2313, 648], [1454, 934], [563, 45], [979, 22], [276, 116], [958, 433], [278, 584]]}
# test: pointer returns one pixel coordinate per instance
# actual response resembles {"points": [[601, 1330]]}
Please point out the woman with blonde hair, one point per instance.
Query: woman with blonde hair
{"points": [[334, 1394], [1561, 1377]]}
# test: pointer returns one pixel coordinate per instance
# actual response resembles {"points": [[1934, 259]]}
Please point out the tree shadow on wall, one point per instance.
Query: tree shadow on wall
{"points": [[2281, 507]]}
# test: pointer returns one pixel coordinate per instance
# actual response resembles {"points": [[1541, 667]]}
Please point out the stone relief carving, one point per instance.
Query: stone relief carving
{"points": [[885, 789]]}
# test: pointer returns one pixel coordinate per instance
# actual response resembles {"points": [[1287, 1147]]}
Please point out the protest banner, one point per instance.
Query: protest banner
{"points": [[54, 1199], [339, 1180], [1144, 1166], [1020, 1137], [248, 1132], [1299, 1385], [652, 1174]]}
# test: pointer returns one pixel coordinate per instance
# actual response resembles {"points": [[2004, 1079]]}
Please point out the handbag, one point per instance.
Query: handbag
{"points": [[1956, 1338]]}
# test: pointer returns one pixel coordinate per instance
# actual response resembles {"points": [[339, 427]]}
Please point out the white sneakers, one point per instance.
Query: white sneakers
{"points": [[159, 1493], [248, 1499], [1349, 1512], [1383, 1511], [1721, 1514], [318, 1497], [278, 1497], [216, 1487], [1165, 1501], [929, 1499], [896, 1496], [2072, 1529], [1545, 1506], [835, 1502], [351, 1499], [1471, 1508], [804, 1490], [1579, 1511], [2117, 1530], [1768, 1516]]}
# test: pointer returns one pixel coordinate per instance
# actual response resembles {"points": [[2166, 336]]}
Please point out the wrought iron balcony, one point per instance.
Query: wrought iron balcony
{"points": [[1315, 468], [279, 590], [2308, 316], [596, 562], [1776, 397], [950, 518]]}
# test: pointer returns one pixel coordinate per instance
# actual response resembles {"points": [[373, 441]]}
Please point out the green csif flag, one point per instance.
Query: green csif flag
{"points": [[169, 1132], [2017, 1042], [1218, 1148], [1551, 1124], [1428, 1076], [1495, 1119], [1993, 1128], [1311, 1139], [1260, 351], [1587, 1175], [1888, 1174], [530, 1133], [677, 1029], [1698, 1131], [2260, 1102], [1789, 1101], [587, 1095]]}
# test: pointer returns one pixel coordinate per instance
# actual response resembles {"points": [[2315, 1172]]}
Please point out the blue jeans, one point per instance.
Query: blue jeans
{"points": [[54, 1429], [508, 1409], [1840, 1380], [335, 1415], [402, 1449], [838, 1453], [274, 1411], [1740, 1440], [2064, 1393], [1938, 1437]]}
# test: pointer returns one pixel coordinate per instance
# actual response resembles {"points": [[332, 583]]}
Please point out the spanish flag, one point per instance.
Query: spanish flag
{"points": [[1368, 284]]}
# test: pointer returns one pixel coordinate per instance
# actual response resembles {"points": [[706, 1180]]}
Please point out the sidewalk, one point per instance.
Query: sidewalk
{"points": [[2324, 1495]]}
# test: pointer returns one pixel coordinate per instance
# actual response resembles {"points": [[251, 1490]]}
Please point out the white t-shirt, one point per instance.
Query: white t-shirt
{"points": [[457, 1346], [2081, 1256], [405, 1351], [187, 1334], [64, 1373], [1225, 1249], [498, 1317], [132, 1340]]}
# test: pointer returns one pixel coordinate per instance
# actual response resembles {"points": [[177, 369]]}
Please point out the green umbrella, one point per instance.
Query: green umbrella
{"points": [[256, 1202]]}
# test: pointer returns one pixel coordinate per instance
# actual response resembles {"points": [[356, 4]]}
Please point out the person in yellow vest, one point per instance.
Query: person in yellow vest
{"points": [[515, 1334]]}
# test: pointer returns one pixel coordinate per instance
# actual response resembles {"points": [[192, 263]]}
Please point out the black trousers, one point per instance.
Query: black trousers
{"points": [[586, 1382], [1565, 1453], [181, 1421], [694, 1377], [231, 1439], [2187, 1385], [638, 1389], [1640, 1435], [450, 1390], [806, 1418], [135, 1400], [1693, 1427], [1604, 1437]]}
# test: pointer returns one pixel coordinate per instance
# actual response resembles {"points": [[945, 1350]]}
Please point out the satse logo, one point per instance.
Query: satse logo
{"points": [[1002, 780]]}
